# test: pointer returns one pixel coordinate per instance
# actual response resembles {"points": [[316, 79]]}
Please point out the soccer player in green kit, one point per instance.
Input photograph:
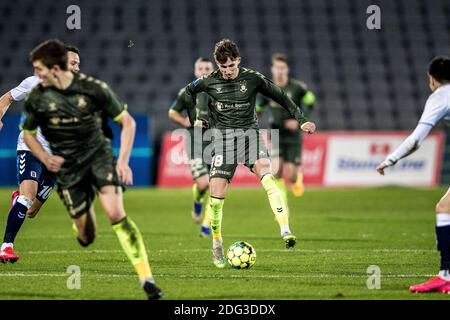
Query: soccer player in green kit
{"points": [[195, 144], [287, 158], [233, 116], [66, 107]]}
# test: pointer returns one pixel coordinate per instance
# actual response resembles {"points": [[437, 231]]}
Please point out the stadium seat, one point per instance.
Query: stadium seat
{"points": [[339, 61]]}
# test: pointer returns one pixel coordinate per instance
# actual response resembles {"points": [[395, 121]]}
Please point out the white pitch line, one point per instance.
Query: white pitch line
{"points": [[182, 276], [100, 251]]}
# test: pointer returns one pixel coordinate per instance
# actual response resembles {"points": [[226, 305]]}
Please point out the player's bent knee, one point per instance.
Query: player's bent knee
{"points": [[28, 188], [202, 185]]}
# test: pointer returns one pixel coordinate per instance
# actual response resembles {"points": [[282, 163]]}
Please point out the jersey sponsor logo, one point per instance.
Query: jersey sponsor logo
{"points": [[225, 106], [219, 106], [56, 120]]}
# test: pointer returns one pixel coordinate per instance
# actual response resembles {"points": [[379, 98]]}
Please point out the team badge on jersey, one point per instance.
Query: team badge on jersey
{"points": [[243, 87], [33, 174], [52, 106], [81, 102]]}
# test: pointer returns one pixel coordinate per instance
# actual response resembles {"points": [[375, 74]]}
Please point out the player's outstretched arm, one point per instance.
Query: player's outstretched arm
{"points": [[5, 102], [127, 133], [53, 163], [411, 144], [270, 90]]}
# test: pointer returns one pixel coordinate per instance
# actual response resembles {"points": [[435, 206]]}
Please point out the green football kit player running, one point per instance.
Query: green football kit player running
{"points": [[236, 135], [286, 155], [195, 145], [66, 107]]}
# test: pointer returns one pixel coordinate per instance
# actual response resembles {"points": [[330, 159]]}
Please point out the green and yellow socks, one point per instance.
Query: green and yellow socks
{"points": [[282, 186], [277, 202], [133, 245], [214, 211]]}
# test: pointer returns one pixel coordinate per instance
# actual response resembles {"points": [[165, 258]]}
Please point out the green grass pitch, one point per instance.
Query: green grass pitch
{"points": [[341, 233]]}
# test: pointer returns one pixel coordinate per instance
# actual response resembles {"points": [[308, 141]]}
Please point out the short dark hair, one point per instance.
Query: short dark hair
{"points": [[439, 68], [203, 59], [280, 57], [225, 49], [73, 49], [51, 52]]}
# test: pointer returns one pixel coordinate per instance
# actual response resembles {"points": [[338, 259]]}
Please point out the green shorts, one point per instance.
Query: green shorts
{"points": [[99, 172], [232, 147], [289, 147]]}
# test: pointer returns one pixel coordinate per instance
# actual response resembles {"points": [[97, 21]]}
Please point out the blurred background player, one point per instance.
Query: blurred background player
{"points": [[199, 169], [66, 107], [35, 181], [286, 155], [233, 90], [437, 108]]}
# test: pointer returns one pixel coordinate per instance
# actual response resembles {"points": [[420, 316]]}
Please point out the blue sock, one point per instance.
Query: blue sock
{"points": [[16, 217], [198, 208], [443, 244], [206, 230]]}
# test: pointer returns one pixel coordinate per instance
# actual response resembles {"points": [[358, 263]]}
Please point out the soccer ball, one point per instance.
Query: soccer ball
{"points": [[241, 255]]}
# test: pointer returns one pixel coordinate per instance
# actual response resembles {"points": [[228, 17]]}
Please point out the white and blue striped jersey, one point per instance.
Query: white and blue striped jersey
{"points": [[19, 93]]}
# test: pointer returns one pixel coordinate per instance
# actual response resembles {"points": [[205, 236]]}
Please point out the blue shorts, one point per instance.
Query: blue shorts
{"points": [[30, 168]]}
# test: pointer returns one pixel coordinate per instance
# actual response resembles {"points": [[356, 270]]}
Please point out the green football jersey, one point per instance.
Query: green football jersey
{"points": [[234, 100], [296, 90], [201, 105], [69, 118]]}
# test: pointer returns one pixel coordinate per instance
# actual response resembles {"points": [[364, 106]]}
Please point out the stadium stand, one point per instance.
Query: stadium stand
{"points": [[363, 79]]}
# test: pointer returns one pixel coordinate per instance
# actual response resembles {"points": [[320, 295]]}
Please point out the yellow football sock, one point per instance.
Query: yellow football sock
{"points": [[207, 216], [282, 185], [133, 245], [276, 201], [215, 211]]}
